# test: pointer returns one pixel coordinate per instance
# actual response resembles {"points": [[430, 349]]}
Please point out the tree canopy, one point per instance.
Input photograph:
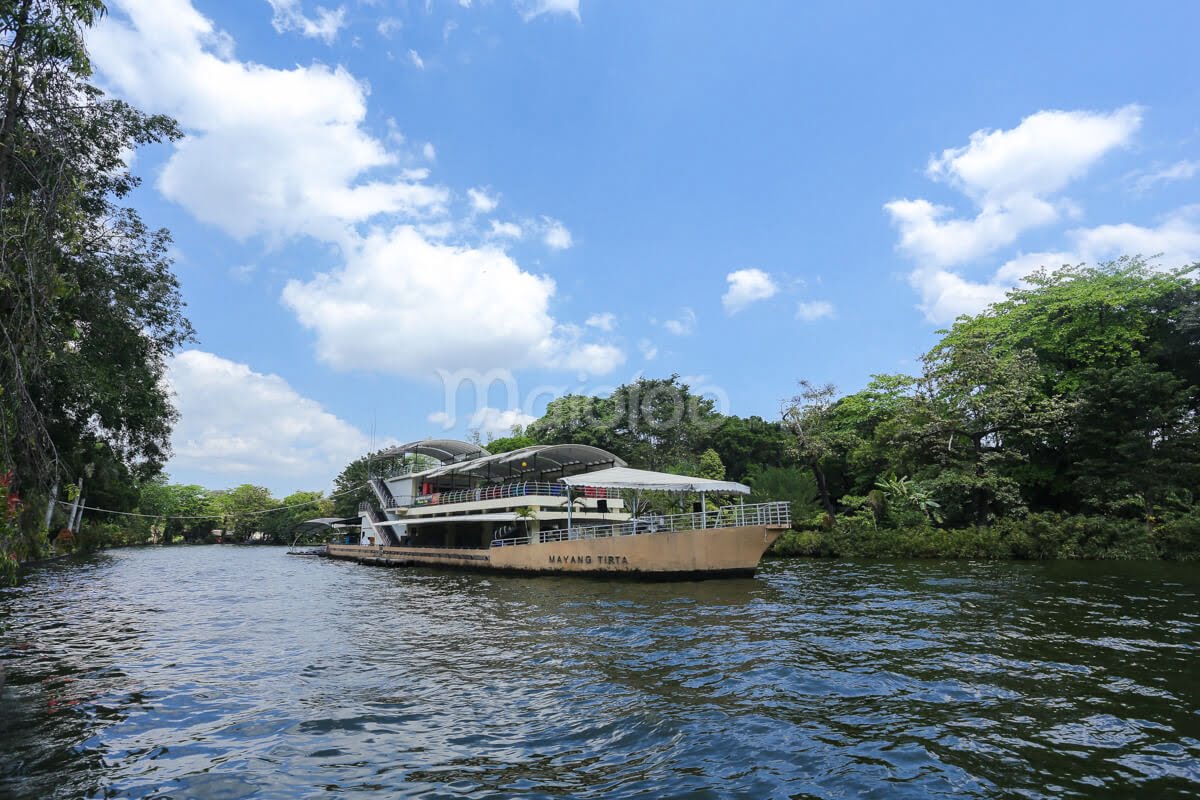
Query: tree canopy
{"points": [[89, 307]]}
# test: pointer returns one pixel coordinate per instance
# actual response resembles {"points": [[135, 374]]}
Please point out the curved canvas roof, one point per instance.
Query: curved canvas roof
{"points": [[628, 478], [536, 459], [444, 450]]}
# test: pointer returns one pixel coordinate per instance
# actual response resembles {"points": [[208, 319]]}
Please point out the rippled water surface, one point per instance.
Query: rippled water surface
{"points": [[223, 672]]}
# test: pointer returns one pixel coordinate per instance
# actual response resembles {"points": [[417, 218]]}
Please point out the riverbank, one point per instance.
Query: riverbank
{"points": [[1045, 536]]}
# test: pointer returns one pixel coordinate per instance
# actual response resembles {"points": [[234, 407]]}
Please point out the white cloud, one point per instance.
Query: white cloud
{"points": [[530, 9], [1179, 171], [388, 27], [1040, 156], [243, 272], [441, 419], [1014, 179], [481, 201], [684, 325], [419, 63], [605, 321], [289, 16], [1010, 176], [747, 286], [945, 294], [648, 350], [589, 358], [555, 235], [283, 153], [237, 425], [256, 159], [1012, 272], [1177, 239], [409, 306], [506, 230], [814, 310], [930, 238], [488, 420]]}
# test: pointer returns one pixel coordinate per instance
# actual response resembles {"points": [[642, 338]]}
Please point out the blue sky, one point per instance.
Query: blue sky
{"points": [[379, 199]]}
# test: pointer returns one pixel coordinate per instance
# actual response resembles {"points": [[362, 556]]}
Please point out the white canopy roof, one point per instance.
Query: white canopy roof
{"points": [[629, 478]]}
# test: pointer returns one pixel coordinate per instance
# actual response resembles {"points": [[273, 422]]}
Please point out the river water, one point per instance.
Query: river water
{"points": [[226, 672]]}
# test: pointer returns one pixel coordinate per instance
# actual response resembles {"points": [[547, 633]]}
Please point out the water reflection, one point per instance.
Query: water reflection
{"points": [[227, 672]]}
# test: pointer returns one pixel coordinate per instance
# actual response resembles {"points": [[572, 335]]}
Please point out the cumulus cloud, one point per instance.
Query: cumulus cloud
{"points": [[814, 310], [419, 63], [747, 286], [530, 9], [1011, 176], [648, 350], [284, 154], [481, 201], [256, 159], [287, 15], [555, 235], [241, 425], [1015, 179], [409, 306], [684, 325], [605, 321], [505, 230], [441, 419], [494, 421], [1176, 239]]}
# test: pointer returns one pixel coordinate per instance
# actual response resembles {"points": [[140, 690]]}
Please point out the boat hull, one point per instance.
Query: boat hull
{"points": [[714, 552]]}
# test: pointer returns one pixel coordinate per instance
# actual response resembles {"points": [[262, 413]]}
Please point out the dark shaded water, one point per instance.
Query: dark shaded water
{"points": [[224, 672]]}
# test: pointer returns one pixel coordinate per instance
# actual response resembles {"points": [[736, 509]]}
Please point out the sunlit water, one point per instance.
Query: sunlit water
{"points": [[223, 672]]}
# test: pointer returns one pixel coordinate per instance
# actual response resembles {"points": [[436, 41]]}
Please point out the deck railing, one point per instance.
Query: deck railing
{"points": [[504, 490], [774, 513]]}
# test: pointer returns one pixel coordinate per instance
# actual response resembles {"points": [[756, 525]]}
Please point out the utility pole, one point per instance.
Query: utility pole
{"points": [[79, 516], [50, 505], [75, 506]]}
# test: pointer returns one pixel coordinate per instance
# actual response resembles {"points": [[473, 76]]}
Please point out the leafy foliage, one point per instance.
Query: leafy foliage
{"points": [[89, 308]]}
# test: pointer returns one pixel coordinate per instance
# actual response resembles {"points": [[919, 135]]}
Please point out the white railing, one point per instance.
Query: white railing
{"points": [[775, 513], [504, 490]]}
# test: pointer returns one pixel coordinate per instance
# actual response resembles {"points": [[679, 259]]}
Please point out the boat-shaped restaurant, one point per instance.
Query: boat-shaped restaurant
{"points": [[557, 509]]}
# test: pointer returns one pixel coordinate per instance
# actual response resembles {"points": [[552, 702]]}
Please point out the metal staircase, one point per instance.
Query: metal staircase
{"points": [[387, 533]]}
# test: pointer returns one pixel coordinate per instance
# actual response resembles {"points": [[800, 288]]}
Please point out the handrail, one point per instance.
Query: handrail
{"points": [[773, 513], [505, 490]]}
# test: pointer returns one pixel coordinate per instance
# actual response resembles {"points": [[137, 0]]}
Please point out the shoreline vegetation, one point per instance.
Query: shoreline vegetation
{"points": [[1060, 422]]}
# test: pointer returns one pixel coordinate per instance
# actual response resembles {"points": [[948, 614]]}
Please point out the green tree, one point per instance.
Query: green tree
{"points": [[89, 309], [240, 509], [576, 419], [300, 506], [710, 465], [1120, 344], [745, 442], [516, 440], [176, 508], [792, 484], [809, 418], [350, 486]]}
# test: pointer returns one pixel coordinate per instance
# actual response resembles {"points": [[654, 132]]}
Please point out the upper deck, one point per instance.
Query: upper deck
{"points": [[467, 479]]}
